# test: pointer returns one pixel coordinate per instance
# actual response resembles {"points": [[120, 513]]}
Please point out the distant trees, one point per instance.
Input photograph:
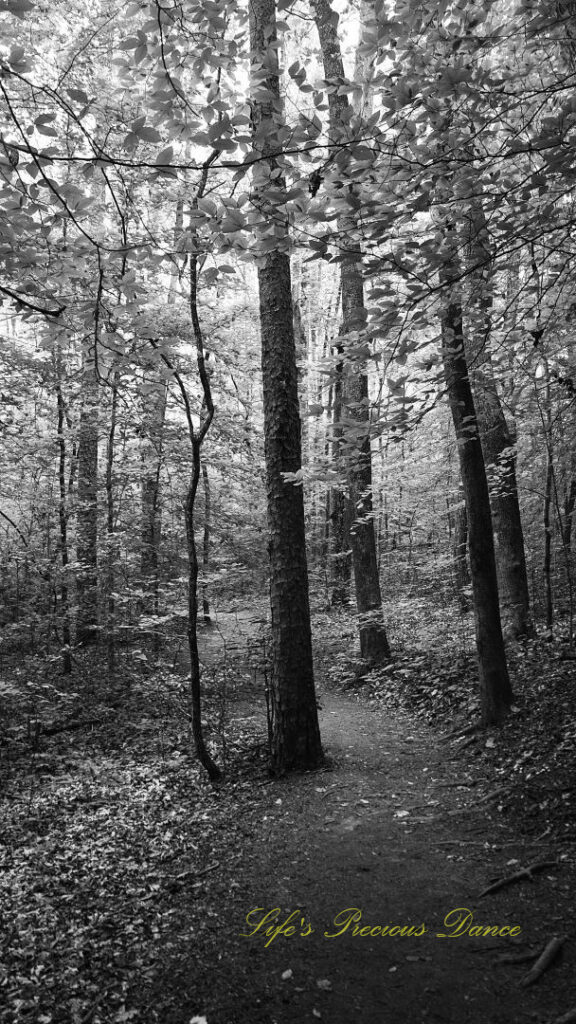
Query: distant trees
{"points": [[352, 410], [431, 178]]}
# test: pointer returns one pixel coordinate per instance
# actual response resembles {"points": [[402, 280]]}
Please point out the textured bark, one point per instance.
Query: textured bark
{"points": [[295, 730], [498, 444], [87, 509], [355, 400], [339, 560], [460, 548], [495, 689]]}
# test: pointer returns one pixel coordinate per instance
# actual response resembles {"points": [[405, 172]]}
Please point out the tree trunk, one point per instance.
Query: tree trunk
{"points": [[460, 548], [87, 515], [63, 520], [339, 564], [112, 546], [548, 493], [355, 399], [569, 503], [495, 690], [206, 545], [498, 444], [295, 730], [154, 411]]}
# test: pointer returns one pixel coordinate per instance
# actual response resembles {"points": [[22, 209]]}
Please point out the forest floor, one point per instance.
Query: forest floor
{"points": [[128, 879]]}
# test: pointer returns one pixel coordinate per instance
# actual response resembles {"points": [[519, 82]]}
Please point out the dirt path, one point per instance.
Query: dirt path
{"points": [[388, 832]]}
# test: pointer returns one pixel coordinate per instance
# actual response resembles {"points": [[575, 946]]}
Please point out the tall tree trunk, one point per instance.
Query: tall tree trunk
{"points": [[339, 563], [87, 503], [112, 547], [206, 544], [548, 494], [295, 730], [498, 444], [355, 398], [495, 689], [154, 411], [63, 520]]}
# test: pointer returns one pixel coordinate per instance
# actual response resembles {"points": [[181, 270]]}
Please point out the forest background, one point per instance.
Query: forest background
{"points": [[287, 307], [396, 186]]}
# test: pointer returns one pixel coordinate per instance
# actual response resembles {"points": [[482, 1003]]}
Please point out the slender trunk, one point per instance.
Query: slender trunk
{"points": [[339, 566], [110, 524], [196, 439], [355, 398], [498, 444], [206, 545], [63, 522], [87, 503], [152, 443], [295, 730], [495, 689], [548, 495]]}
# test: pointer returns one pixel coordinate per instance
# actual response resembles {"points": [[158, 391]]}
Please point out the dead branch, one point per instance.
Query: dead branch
{"points": [[519, 876], [495, 792], [458, 732], [468, 743], [456, 785], [544, 961]]}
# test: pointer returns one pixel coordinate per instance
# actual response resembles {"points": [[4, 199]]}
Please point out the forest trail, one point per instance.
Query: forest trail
{"points": [[386, 829]]}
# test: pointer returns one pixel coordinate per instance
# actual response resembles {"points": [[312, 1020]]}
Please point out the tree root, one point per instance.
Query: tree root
{"points": [[519, 876], [544, 960]]}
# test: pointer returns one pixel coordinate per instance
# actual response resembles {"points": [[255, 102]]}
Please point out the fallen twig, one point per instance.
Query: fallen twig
{"points": [[518, 876], [468, 743], [458, 732], [544, 961], [456, 785], [495, 792]]}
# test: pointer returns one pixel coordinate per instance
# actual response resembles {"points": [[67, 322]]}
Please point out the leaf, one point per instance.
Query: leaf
{"points": [[43, 129], [147, 133], [78, 95], [129, 44], [165, 157]]}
